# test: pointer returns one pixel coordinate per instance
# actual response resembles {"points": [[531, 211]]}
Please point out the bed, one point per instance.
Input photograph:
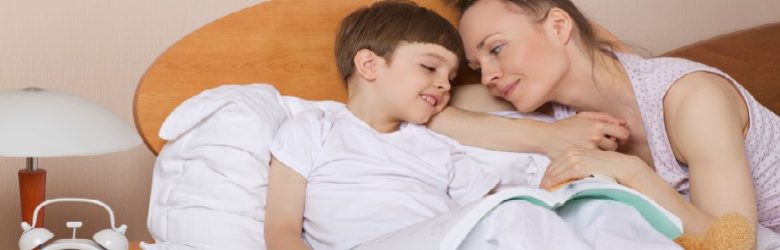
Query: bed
{"points": [[288, 43]]}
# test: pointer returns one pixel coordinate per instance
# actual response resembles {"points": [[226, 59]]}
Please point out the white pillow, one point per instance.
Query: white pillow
{"points": [[210, 179]]}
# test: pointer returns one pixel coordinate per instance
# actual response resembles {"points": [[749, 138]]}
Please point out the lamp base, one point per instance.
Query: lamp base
{"points": [[32, 191]]}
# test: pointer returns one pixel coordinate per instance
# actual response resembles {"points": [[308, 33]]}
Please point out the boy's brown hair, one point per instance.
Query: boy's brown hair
{"points": [[383, 25]]}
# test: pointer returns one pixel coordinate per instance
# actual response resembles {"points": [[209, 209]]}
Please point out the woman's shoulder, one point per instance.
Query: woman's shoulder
{"points": [[654, 77], [660, 64], [703, 85]]}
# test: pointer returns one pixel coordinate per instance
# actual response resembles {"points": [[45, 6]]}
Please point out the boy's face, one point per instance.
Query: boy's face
{"points": [[416, 84]]}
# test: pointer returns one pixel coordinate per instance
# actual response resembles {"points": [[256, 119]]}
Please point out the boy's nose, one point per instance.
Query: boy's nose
{"points": [[443, 84]]}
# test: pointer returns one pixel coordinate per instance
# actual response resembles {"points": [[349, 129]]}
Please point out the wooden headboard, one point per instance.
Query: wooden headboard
{"points": [[288, 43], [752, 57]]}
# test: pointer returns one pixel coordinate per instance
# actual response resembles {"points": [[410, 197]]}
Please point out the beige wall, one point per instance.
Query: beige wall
{"points": [[100, 49], [663, 25]]}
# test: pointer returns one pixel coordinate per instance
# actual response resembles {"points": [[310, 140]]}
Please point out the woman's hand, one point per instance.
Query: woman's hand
{"points": [[588, 130], [577, 163]]}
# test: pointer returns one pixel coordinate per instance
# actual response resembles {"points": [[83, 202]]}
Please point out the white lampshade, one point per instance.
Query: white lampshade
{"points": [[46, 123]]}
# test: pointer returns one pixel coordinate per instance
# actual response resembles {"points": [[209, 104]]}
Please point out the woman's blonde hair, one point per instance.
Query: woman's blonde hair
{"points": [[541, 8]]}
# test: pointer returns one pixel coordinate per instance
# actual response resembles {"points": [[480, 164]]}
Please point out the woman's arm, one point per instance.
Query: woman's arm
{"points": [[630, 171], [477, 98], [705, 127], [466, 121], [706, 119], [284, 208], [487, 131], [587, 129]]}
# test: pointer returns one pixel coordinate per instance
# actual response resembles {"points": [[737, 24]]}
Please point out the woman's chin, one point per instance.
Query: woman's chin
{"points": [[525, 107]]}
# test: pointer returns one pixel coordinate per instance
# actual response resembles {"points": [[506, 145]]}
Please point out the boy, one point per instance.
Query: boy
{"points": [[373, 167]]}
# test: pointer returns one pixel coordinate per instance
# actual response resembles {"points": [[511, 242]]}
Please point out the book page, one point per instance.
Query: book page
{"points": [[590, 188]]}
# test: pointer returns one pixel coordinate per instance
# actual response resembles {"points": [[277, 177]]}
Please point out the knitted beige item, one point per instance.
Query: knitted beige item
{"points": [[730, 231]]}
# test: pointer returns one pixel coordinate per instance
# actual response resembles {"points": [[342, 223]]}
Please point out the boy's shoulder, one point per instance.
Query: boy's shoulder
{"points": [[311, 114], [312, 121], [315, 116]]}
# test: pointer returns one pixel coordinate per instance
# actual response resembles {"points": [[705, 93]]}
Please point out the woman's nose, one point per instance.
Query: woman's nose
{"points": [[490, 74]]}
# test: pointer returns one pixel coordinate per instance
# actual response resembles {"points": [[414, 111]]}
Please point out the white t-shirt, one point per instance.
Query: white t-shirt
{"points": [[363, 184]]}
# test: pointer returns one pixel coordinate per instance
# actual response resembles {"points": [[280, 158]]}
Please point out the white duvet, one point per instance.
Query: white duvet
{"points": [[210, 179]]}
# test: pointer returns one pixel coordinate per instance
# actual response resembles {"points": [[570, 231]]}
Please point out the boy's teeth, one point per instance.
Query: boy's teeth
{"points": [[429, 100]]}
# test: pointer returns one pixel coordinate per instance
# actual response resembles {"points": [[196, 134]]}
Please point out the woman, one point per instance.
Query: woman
{"points": [[700, 145]]}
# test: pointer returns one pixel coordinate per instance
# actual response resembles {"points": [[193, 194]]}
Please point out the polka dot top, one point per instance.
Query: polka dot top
{"points": [[651, 79]]}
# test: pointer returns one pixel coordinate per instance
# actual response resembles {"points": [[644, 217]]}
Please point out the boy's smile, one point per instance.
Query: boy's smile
{"points": [[430, 99], [420, 71]]}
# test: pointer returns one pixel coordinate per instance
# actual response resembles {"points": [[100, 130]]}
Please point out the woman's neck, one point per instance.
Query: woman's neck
{"points": [[600, 84], [363, 105]]}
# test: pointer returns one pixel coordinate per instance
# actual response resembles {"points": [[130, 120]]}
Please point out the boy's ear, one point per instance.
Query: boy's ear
{"points": [[366, 64], [561, 24]]}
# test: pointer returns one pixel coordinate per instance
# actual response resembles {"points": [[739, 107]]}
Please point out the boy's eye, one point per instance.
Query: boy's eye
{"points": [[429, 68], [496, 49], [478, 70]]}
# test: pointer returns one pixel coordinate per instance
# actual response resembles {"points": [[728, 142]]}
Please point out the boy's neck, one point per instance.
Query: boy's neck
{"points": [[367, 108]]}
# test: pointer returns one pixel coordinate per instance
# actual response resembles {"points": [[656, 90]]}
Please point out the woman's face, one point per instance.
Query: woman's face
{"points": [[520, 59]]}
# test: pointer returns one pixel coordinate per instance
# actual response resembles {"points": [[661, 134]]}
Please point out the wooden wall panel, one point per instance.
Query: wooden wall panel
{"points": [[751, 57]]}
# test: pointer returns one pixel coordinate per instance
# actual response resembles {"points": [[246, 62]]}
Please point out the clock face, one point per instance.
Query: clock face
{"points": [[78, 244]]}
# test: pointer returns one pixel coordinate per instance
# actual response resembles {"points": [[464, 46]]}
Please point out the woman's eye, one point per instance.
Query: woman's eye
{"points": [[431, 69], [496, 50]]}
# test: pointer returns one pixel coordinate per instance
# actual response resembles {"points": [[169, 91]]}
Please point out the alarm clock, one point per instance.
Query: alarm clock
{"points": [[112, 238]]}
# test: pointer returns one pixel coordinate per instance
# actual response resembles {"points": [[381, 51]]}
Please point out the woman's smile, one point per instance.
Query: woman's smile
{"points": [[507, 90]]}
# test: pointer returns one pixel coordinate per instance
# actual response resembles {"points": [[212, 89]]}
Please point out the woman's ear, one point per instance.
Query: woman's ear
{"points": [[561, 24], [366, 64]]}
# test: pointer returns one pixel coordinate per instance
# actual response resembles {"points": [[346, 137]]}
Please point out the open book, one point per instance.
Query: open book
{"points": [[448, 230]]}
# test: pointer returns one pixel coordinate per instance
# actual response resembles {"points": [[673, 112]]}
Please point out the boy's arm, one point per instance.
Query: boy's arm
{"points": [[284, 208]]}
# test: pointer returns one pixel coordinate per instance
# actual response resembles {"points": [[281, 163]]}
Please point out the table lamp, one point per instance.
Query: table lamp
{"points": [[44, 123]]}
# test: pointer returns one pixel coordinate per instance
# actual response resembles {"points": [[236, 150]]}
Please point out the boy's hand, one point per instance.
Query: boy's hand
{"points": [[588, 130]]}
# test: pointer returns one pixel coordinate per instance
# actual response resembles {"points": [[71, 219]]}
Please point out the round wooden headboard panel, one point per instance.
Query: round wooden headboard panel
{"points": [[288, 43]]}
